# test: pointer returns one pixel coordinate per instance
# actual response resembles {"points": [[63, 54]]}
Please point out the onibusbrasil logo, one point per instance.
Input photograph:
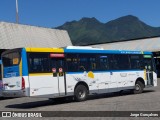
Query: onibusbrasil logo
{"points": [[21, 114]]}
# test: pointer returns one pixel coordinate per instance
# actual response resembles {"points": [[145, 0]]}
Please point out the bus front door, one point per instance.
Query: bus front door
{"points": [[57, 65], [149, 70]]}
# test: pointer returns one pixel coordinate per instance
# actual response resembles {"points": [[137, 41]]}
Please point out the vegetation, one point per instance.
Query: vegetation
{"points": [[91, 31]]}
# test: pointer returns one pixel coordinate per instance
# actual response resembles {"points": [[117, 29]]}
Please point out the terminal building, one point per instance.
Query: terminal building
{"points": [[17, 35], [151, 44], [142, 44]]}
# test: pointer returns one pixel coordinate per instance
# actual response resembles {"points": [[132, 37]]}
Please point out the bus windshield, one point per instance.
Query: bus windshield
{"points": [[11, 59]]}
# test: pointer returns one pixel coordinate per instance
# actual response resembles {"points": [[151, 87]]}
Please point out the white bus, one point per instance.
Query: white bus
{"points": [[75, 71]]}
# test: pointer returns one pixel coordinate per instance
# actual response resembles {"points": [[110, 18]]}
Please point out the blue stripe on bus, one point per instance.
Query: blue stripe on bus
{"points": [[24, 63], [11, 71], [145, 52], [104, 51], [104, 71]]}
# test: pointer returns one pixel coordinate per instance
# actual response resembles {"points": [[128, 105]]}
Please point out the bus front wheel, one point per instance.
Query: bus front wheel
{"points": [[138, 87], [80, 93]]}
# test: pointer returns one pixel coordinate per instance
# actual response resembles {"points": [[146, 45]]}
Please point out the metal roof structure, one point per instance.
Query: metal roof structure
{"points": [[17, 35], [147, 44]]}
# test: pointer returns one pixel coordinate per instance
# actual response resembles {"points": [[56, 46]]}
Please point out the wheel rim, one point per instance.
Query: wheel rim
{"points": [[81, 94], [137, 87]]}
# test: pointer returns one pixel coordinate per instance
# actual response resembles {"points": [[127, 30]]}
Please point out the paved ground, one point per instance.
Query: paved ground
{"points": [[149, 100]]}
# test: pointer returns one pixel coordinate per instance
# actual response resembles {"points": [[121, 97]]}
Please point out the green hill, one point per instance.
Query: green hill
{"points": [[91, 31]]}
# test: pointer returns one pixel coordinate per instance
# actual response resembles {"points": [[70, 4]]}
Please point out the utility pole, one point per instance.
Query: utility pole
{"points": [[17, 17]]}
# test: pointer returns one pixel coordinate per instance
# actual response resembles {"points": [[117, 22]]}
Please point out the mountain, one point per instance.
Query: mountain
{"points": [[91, 31]]}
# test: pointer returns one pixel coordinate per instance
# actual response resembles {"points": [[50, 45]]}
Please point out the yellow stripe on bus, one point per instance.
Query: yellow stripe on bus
{"points": [[40, 74], [145, 76], [20, 68], [56, 50]]}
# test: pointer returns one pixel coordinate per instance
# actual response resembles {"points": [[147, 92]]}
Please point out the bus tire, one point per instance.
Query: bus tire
{"points": [[80, 93], [138, 87]]}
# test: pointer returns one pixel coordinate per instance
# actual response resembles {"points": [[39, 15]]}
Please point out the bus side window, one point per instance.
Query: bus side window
{"points": [[83, 62], [92, 63], [120, 62], [103, 62], [38, 62], [135, 62], [72, 63], [113, 63]]}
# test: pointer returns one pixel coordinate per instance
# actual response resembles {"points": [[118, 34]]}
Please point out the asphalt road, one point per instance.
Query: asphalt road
{"points": [[149, 100]]}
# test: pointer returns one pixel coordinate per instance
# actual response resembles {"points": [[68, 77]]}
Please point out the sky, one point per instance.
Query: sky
{"points": [[53, 13]]}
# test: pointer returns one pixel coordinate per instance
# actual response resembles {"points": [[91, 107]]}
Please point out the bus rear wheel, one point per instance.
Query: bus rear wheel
{"points": [[138, 87], [80, 93]]}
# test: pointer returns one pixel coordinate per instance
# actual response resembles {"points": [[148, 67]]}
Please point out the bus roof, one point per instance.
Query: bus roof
{"points": [[105, 51], [84, 50]]}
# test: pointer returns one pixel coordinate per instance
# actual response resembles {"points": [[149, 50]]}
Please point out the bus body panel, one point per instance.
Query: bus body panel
{"points": [[12, 77], [46, 84], [154, 79], [12, 80], [25, 72], [41, 85], [104, 82]]}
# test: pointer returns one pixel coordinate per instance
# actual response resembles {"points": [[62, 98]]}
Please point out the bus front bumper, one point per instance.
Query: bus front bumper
{"points": [[13, 93]]}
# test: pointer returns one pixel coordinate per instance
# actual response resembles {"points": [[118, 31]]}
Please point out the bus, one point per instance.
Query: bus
{"points": [[75, 71]]}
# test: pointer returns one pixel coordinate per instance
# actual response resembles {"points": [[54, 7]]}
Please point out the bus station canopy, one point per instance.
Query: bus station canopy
{"points": [[145, 44]]}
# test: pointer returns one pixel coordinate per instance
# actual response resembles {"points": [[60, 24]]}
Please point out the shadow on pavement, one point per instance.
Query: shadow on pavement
{"points": [[37, 104], [5, 98], [60, 101], [116, 94]]}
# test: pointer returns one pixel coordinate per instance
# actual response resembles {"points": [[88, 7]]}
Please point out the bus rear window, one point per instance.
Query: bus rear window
{"points": [[11, 59]]}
